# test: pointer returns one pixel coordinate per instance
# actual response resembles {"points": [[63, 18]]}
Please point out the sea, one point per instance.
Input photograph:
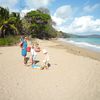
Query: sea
{"points": [[90, 43]]}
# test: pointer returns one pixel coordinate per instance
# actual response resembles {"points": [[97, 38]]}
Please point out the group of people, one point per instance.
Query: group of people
{"points": [[33, 49]]}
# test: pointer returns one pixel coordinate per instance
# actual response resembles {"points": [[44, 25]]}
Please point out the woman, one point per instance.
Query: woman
{"points": [[24, 49]]}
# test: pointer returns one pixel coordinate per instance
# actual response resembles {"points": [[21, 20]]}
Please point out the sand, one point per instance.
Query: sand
{"points": [[70, 77]]}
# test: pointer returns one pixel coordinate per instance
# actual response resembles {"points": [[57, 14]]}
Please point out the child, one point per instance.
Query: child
{"points": [[46, 59], [33, 54], [36, 47]]}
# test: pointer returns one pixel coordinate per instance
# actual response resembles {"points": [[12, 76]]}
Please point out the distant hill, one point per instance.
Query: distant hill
{"points": [[69, 35], [92, 36]]}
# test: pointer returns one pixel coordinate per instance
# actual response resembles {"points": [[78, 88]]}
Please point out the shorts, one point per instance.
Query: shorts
{"points": [[24, 52]]}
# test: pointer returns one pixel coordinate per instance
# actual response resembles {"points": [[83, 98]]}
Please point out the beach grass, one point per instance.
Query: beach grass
{"points": [[8, 41]]}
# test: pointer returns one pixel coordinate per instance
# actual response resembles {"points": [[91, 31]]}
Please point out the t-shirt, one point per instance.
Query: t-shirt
{"points": [[33, 52]]}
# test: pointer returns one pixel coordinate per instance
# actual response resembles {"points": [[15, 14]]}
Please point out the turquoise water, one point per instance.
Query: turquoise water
{"points": [[94, 41], [89, 43]]}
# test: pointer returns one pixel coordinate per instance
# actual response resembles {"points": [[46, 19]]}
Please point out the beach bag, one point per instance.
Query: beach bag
{"points": [[37, 49], [28, 49]]}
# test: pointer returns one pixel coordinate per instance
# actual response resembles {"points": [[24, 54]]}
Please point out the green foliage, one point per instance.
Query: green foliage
{"points": [[8, 28], [4, 13], [52, 33], [37, 17], [11, 40], [37, 23], [10, 24], [40, 24], [12, 20]]}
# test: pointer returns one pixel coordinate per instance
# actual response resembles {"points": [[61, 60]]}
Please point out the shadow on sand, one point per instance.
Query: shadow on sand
{"points": [[29, 64]]}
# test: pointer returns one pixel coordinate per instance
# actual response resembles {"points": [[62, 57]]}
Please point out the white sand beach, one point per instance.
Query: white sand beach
{"points": [[71, 76]]}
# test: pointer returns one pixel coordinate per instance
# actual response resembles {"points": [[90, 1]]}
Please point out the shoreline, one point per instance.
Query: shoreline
{"points": [[71, 48]]}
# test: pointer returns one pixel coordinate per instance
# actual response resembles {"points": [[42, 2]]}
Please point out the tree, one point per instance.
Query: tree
{"points": [[4, 13], [8, 28], [10, 23], [18, 22], [38, 22]]}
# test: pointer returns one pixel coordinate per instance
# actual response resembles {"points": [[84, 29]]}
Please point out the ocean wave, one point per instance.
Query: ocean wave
{"points": [[83, 44]]}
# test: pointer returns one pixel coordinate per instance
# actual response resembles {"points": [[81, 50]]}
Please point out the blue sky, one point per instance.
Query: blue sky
{"points": [[71, 16]]}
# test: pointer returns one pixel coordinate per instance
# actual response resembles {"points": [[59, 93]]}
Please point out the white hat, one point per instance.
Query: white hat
{"points": [[44, 51]]}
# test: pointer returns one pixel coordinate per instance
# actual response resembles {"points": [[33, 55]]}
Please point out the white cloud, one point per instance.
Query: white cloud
{"points": [[37, 3], [89, 9], [8, 3], [62, 14], [34, 4], [13, 4], [81, 25], [63, 11], [58, 20]]}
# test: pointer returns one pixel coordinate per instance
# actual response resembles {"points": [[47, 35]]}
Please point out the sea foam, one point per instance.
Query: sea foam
{"points": [[82, 44]]}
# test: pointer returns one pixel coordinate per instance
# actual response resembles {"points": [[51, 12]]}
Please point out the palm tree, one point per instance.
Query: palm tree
{"points": [[4, 14], [7, 29], [10, 23]]}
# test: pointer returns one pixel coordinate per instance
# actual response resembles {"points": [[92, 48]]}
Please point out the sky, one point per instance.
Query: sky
{"points": [[71, 16]]}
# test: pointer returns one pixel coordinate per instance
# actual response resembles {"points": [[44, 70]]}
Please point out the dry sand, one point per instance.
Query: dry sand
{"points": [[70, 77]]}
